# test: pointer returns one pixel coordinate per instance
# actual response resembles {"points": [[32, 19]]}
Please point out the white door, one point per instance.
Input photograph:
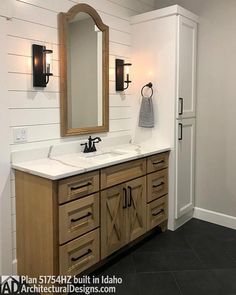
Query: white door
{"points": [[185, 166], [186, 67]]}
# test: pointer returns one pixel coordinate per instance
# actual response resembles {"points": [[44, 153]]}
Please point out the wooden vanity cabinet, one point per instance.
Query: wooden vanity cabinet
{"points": [[64, 227]]}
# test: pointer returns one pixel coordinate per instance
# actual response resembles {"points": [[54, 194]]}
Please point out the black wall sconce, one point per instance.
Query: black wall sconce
{"points": [[41, 65], [120, 82]]}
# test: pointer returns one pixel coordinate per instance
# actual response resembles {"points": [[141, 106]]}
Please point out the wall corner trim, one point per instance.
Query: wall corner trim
{"points": [[14, 267], [215, 217]]}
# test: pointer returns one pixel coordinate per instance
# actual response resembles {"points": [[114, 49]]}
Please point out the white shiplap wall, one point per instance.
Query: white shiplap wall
{"points": [[35, 21]]}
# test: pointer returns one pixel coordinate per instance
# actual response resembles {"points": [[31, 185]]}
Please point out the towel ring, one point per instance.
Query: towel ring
{"points": [[147, 85]]}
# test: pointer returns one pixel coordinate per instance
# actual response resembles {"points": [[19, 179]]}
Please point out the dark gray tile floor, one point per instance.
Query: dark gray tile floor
{"points": [[197, 259]]}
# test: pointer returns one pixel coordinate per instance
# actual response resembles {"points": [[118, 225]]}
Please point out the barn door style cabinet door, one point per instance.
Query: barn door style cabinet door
{"points": [[186, 67], [136, 205], [123, 215], [185, 154], [113, 202]]}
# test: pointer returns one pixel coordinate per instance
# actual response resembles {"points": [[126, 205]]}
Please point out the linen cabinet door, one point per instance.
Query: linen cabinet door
{"points": [[113, 203], [185, 166], [136, 213], [186, 71]]}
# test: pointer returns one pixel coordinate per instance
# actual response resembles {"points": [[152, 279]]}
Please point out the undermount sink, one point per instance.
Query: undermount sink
{"points": [[84, 160], [103, 156]]}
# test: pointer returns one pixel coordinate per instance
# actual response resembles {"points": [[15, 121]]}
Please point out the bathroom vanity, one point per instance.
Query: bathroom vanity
{"points": [[66, 225], [74, 212]]}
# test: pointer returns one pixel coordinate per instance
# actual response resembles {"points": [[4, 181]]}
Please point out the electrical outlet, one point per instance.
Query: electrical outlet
{"points": [[20, 135]]}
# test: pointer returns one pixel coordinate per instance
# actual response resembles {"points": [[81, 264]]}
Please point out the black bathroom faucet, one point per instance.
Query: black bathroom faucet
{"points": [[89, 146]]}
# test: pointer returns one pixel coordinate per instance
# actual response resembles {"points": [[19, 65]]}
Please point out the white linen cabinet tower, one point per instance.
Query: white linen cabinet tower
{"points": [[164, 52]]}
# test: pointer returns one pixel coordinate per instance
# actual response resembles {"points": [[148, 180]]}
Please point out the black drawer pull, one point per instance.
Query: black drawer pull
{"points": [[157, 185], [130, 196], [158, 162], [182, 106], [157, 213], [181, 131], [77, 219], [74, 188], [85, 254], [125, 198]]}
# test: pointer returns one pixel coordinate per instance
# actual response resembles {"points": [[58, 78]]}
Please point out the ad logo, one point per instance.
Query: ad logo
{"points": [[10, 285]]}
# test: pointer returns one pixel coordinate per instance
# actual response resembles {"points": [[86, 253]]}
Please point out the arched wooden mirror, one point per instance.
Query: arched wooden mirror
{"points": [[84, 71]]}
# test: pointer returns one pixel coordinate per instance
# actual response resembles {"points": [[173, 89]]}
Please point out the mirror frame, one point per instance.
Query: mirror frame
{"points": [[63, 19]]}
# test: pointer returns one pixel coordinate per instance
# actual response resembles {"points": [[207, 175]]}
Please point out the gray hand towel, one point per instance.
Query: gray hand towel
{"points": [[146, 115]]}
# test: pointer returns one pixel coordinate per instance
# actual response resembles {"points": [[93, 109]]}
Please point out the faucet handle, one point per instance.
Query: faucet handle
{"points": [[94, 147], [98, 139], [85, 147]]}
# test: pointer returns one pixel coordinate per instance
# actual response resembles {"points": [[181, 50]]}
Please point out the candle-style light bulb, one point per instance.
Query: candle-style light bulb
{"points": [[127, 70], [48, 62]]}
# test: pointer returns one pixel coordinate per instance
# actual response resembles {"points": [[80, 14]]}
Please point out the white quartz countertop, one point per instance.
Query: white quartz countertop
{"points": [[57, 167]]}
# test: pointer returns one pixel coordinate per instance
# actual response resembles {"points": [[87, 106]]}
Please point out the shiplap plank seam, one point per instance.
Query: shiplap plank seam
{"points": [[56, 28], [75, 2], [131, 9], [35, 91], [29, 108], [126, 18], [34, 5], [31, 39], [35, 23]]}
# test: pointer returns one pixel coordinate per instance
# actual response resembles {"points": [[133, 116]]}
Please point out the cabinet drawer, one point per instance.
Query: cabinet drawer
{"points": [[157, 162], [157, 185], [80, 254], [120, 173], [157, 212], [78, 217], [78, 186]]}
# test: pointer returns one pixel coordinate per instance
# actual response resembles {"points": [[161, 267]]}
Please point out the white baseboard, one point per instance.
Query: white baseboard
{"points": [[176, 223], [215, 217]]}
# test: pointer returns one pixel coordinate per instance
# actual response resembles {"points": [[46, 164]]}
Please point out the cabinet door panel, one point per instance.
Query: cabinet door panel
{"points": [[186, 72], [136, 214], [185, 149], [112, 220]]}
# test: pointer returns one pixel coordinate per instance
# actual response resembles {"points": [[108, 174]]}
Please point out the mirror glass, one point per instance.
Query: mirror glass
{"points": [[84, 71]]}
